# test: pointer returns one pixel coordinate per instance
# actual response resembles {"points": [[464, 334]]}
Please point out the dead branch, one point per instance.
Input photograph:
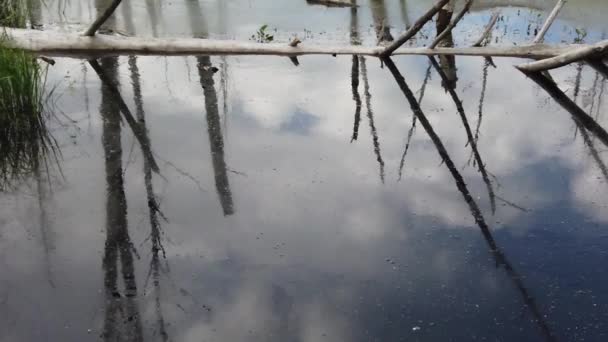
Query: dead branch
{"points": [[389, 50], [574, 55], [541, 34], [452, 24]]}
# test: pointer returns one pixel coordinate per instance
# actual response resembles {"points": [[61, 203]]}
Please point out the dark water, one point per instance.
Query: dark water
{"points": [[246, 199]]}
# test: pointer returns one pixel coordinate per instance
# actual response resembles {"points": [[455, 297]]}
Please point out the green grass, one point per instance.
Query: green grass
{"points": [[25, 142], [12, 13]]}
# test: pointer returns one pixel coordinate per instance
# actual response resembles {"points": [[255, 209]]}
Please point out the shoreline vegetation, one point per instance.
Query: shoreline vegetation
{"points": [[25, 140]]}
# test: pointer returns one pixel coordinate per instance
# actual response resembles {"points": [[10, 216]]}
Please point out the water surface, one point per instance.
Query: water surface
{"points": [[247, 199]]}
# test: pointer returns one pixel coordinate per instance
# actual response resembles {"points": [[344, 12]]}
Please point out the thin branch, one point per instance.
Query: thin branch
{"points": [[541, 34], [389, 50], [102, 19], [452, 24]]}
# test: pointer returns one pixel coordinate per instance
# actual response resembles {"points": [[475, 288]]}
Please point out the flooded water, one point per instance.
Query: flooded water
{"points": [[248, 199]]}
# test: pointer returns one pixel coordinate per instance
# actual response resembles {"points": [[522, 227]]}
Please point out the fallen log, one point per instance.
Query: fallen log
{"points": [[61, 44]]}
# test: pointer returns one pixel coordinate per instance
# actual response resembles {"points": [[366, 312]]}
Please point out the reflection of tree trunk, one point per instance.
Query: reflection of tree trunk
{"points": [[578, 79], [381, 26], [151, 7], [34, 11], [404, 17], [593, 150], [153, 205], [498, 255], [214, 126], [448, 63], [354, 82], [127, 15], [142, 138], [118, 242], [370, 117], [216, 140], [354, 74]]}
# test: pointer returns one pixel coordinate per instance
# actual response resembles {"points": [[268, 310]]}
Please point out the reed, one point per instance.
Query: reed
{"points": [[25, 141]]}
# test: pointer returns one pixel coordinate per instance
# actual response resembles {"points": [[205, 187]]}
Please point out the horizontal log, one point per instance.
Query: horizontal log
{"points": [[61, 44]]}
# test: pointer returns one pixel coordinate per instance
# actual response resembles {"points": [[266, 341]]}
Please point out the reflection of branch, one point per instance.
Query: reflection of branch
{"points": [[577, 113], [511, 204], [410, 133], [593, 150], [153, 205], [473, 207], [404, 17], [370, 117], [578, 79], [488, 30], [44, 223], [354, 82], [471, 139], [112, 90], [482, 97]]}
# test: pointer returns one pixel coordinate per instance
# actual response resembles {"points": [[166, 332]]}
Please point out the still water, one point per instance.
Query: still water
{"points": [[247, 199]]}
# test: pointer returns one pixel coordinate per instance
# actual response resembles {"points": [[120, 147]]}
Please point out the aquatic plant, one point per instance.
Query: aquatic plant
{"points": [[262, 35], [25, 141]]}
